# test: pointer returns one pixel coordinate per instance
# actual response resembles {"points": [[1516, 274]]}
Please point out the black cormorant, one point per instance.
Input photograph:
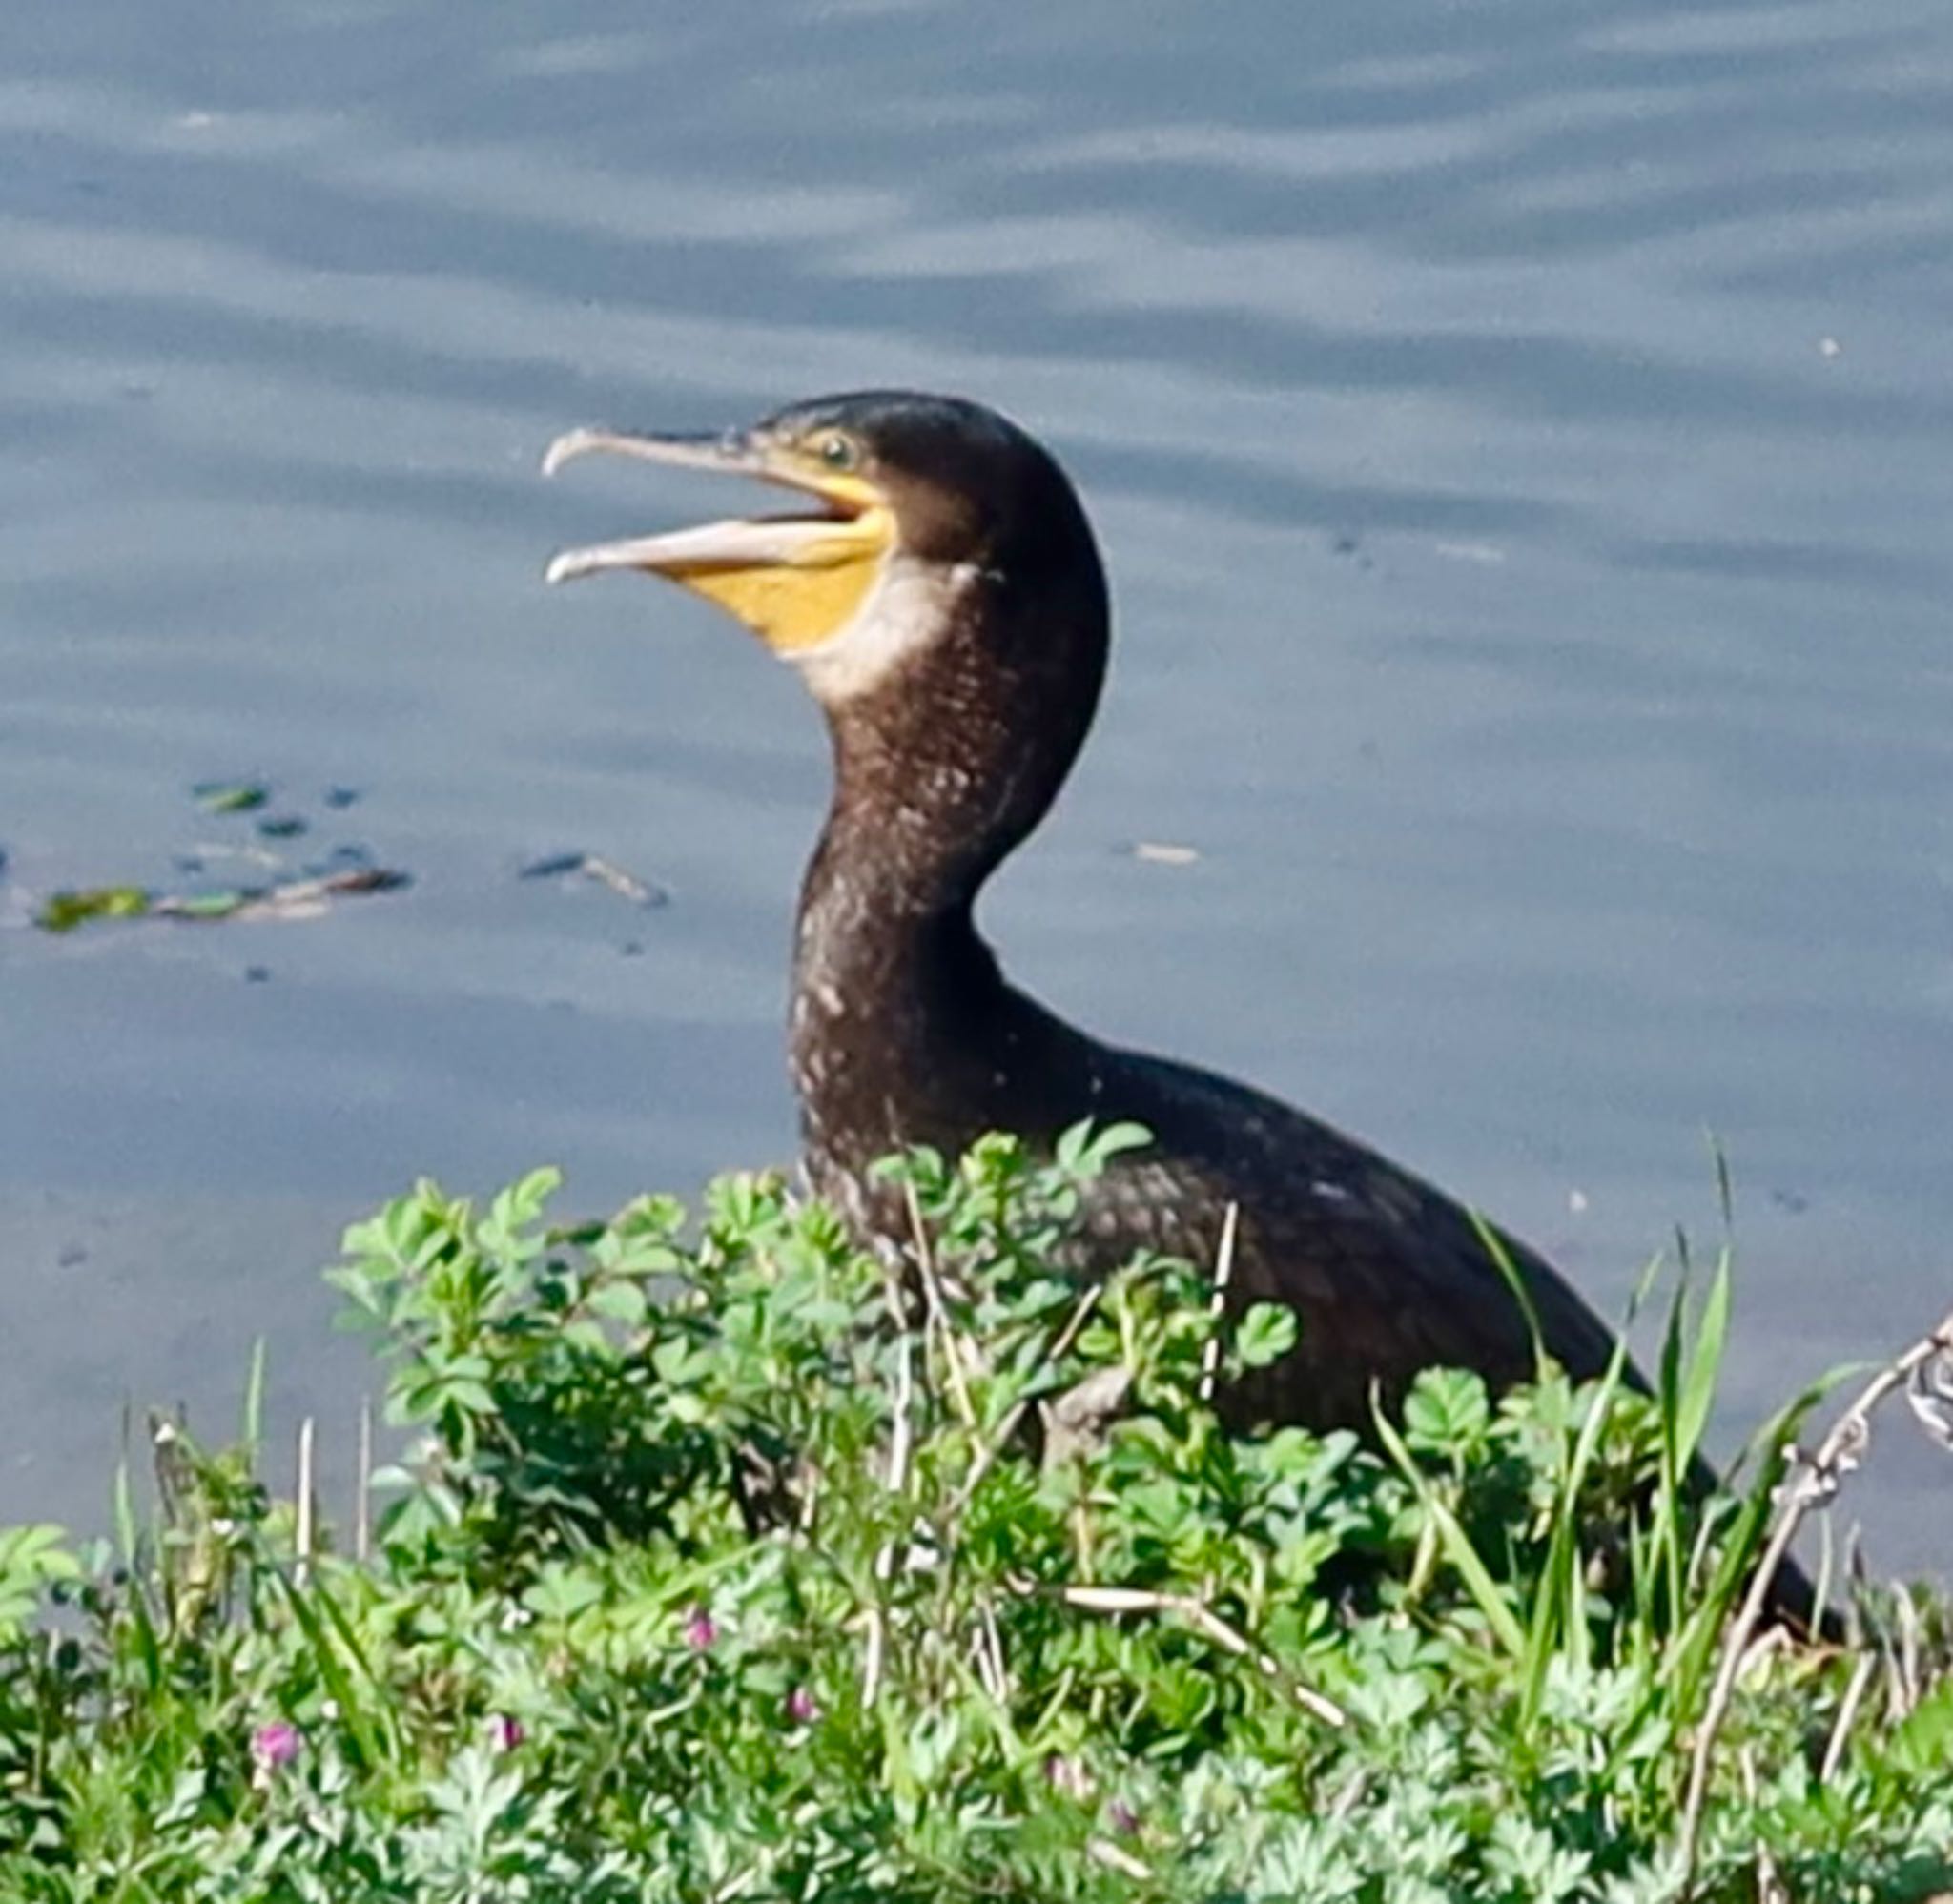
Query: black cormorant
{"points": [[944, 601]]}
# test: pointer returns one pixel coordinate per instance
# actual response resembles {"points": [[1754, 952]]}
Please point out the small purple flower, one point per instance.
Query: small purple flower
{"points": [[801, 1709], [699, 1630], [275, 1745], [1125, 1821], [504, 1733]]}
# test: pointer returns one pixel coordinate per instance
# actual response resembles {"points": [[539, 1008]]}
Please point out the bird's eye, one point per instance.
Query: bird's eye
{"points": [[837, 452]]}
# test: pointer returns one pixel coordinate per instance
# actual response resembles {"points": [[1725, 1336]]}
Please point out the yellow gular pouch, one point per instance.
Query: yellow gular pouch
{"points": [[807, 599]]}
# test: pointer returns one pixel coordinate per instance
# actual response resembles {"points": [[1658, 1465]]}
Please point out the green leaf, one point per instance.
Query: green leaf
{"points": [[619, 1301], [64, 911], [1447, 1411], [1703, 1367], [231, 796], [1265, 1334]]}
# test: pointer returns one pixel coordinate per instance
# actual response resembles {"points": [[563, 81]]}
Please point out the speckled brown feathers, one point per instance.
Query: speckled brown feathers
{"points": [[904, 1031]]}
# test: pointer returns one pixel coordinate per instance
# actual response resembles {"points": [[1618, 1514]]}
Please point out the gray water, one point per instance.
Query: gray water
{"points": [[1521, 436]]}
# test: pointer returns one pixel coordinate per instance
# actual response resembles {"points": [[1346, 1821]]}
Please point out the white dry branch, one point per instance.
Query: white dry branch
{"points": [[1812, 1481]]}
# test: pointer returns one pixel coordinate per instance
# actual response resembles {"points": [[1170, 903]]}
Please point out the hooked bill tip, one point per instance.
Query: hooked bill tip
{"points": [[571, 443]]}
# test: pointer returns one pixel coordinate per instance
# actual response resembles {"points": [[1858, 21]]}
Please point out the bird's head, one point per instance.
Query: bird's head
{"points": [[930, 514]]}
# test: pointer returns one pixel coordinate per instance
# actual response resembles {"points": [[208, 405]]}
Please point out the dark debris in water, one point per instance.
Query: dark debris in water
{"points": [[590, 866], [303, 898], [273, 888]]}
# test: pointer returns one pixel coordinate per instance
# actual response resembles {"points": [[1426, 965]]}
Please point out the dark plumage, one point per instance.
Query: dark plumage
{"points": [[959, 683]]}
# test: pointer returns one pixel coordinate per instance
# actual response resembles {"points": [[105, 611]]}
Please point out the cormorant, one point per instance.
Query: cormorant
{"points": [[944, 601]]}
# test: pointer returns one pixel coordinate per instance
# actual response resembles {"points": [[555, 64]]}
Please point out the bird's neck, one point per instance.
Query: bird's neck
{"points": [[886, 939], [904, 1030], [898, 1002], [895, 997]]}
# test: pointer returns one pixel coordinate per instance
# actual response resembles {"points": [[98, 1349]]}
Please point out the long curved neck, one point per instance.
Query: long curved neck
{"points": [[939, 773]]}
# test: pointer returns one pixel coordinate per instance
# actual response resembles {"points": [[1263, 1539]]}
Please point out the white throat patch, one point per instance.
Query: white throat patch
{"points": [[903, 611]]}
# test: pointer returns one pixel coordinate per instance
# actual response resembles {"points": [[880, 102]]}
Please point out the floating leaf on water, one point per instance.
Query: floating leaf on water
{"points": [[283, 826], [219, 905], [63, 912], [340, 798], [626, 885], [231, 796], [288, 899]]}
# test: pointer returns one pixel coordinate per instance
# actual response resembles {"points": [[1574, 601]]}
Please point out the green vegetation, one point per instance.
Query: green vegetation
{"points": [[725, 1565]]}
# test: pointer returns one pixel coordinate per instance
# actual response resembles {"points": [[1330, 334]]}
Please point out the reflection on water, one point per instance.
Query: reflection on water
{"points": [[1520, 438]]}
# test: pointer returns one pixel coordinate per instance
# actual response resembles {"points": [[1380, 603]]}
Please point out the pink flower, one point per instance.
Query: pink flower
{"points": [[801, 1709], [699, 1630], [1125, 1821], [275, 1745], [504, 1733]]}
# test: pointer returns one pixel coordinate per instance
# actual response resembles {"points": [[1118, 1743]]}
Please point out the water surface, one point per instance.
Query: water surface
{"points": [[1520, 435]]}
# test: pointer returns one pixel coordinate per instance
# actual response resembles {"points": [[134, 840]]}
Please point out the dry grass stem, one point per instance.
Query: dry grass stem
{"points": [[939, 1323], [1217, 1307], [871, 1662], [990, 1662], [1102, 1851], [900, 1442], [1119, 1600], [1848, 1712], [1908, 1682], [1812, 1481]]}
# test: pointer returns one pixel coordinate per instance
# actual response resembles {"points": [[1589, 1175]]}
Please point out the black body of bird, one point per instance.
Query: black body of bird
{"points": [[946, 604]]}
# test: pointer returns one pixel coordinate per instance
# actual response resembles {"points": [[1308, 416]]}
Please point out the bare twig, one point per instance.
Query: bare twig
{"points": [[1847, 1712], [903, 1438], [1811, 1481], [1217, 1307], [990, 1663], [1102, 1851], [870, 1665], [938, 1311], [1911, 1683], [1120, 1599], [897, 1483]]}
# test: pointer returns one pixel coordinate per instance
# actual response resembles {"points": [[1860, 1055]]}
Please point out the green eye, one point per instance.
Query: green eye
{"points": [[837, 452]]}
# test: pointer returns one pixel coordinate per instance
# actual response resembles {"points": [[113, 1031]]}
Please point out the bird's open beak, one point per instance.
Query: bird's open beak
{"points": [[797, 580]]}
